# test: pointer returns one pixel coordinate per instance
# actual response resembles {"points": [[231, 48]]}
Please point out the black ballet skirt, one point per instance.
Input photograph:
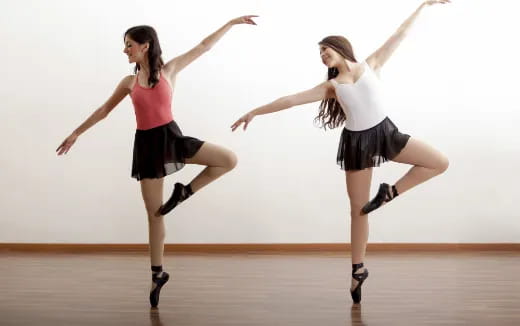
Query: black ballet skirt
{"points": [[368, 148], [161, 151]]}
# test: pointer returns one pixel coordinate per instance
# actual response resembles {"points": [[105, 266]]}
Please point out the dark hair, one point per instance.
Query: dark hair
{"points": [[331, 115], [146, 34]]}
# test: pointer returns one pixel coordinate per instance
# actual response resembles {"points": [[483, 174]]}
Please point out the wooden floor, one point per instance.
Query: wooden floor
{"points": [[474, 288]]}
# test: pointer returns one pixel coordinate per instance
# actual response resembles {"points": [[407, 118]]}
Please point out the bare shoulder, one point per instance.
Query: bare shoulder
{"points": [[329, 87], [328, 84], [127, 83], [331, 83]]}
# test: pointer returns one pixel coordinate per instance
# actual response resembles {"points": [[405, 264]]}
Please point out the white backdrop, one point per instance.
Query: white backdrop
{"points": [[452, 83]]}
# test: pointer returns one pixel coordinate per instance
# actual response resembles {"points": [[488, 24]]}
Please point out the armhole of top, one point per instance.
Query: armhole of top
{"points": [[167, 79], [367, 66], [133, 83], [375, 72]]}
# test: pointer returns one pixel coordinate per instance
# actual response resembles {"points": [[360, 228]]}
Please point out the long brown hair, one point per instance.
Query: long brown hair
{"points": [[142, 34], [331, 115]]}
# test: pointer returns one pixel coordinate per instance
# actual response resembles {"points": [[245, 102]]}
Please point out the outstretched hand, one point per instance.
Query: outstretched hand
{"points": [[244, 20], [245, 119], [66, 144], [434, 2]]}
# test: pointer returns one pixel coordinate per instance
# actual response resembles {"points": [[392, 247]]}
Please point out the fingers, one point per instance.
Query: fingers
{"points": [[236, 125], [64, 147], [432, 2], [63, 150], [248, 19], [60, 150]]}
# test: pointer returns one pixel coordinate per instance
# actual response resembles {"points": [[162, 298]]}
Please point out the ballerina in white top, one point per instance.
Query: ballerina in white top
{"points": [[352, 96]]}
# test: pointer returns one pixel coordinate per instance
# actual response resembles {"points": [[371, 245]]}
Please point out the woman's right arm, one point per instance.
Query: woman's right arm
{"points": [[102, 112], [322, 91]]}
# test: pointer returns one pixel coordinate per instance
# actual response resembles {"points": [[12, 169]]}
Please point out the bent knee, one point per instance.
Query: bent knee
{"points": [[230, 161], [443, 165]]}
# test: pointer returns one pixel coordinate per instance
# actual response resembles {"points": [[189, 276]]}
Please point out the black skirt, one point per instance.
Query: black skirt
{"points": [[161, 151], [368, 148]]}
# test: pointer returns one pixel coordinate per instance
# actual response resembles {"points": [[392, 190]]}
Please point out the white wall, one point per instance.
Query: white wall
{"points": [[453, 83]]}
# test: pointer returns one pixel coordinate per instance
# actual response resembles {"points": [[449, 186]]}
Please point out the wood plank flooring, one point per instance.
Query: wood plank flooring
{"points": [[470, 288]]}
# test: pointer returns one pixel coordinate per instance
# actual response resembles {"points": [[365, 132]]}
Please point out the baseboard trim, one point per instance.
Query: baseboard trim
{"points": [[278, 248]]}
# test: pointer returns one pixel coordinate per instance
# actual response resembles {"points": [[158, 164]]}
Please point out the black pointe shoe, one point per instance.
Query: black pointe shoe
{"points": [[159, 281], [384, 195], [361, 277], [179, 194]]}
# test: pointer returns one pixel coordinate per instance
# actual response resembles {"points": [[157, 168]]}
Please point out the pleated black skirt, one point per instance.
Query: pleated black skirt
{"points": [[161, 151], [368, 148]]}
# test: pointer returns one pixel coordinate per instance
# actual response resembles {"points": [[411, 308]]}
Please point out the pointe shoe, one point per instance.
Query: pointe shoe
{"points": [[159, 281], [360, 277], [384, 195], [180, 193]]}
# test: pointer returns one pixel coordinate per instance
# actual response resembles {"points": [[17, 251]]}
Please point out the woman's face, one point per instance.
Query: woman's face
{"points": [[329, 57], [134, 50]]}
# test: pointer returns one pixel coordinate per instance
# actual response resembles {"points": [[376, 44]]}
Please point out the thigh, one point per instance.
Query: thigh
{"points": [[212, 155], [358, 186], [419, 153], [152, 192]]}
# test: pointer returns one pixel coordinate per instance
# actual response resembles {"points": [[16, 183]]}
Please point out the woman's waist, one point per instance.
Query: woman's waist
{"points": [[359, 125], [156, 124]]}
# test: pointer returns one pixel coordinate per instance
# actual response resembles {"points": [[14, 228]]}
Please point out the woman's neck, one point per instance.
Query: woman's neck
{"points": [[345, 67], [144, 66]]}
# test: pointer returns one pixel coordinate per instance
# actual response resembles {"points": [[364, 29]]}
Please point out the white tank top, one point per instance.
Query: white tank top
{"points": [[362, 101]]}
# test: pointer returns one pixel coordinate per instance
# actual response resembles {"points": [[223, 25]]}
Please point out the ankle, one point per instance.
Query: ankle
{"points": [[189, 190], [157, 270], [357, 267], [395, 191]]}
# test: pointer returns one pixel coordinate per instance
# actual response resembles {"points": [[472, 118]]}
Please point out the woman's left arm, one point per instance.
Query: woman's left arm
{"points": [[175, 65], [379, 57]]}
